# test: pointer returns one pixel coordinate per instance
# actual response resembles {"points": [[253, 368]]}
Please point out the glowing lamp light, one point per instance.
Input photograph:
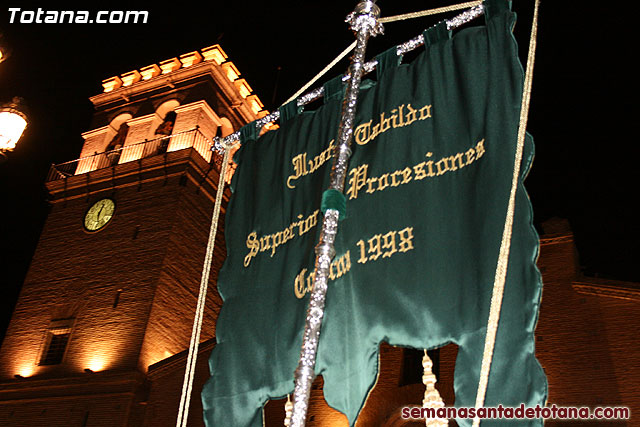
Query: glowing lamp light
{"points": [[111, 84], [4, 50], [13, 121], [243, 87], [130, 78], [191, 58], [214, 53], [95, 365], [170, 65], [230, 70], [25, 371], [149, 72], [255, 104]]}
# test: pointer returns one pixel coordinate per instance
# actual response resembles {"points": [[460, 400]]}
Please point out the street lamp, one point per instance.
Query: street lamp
{"points": [[13, 121]]}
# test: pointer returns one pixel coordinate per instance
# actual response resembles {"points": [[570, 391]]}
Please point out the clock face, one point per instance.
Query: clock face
{"points": [[99, 214]]}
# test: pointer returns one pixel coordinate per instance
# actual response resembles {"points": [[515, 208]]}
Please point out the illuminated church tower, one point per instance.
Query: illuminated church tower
{"points": [[112, 287]]}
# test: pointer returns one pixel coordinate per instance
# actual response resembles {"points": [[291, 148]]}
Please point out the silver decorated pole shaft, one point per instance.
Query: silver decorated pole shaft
{"points": [[364, 21]]}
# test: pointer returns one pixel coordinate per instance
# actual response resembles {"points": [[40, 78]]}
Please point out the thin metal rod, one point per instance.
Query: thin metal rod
{"points": [[455, 22], [364, 21]]}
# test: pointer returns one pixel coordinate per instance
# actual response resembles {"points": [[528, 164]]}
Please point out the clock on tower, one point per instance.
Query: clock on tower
{"points": [[99, 214]]}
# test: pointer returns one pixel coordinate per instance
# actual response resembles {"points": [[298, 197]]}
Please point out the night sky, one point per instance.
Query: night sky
{"points": [[581, 113]]}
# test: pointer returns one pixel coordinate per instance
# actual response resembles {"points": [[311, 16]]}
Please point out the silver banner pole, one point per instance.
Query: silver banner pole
{"points": [[364, 22]]}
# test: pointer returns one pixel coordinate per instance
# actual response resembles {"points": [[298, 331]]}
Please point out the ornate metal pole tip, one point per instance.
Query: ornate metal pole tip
{"points": [[368, 7], [365, 17]]}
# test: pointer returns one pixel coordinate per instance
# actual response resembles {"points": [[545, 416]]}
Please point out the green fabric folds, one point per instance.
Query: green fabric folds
{"points": [[387, 60], [436, 34], [334, 89], [289, 111], [248, 133], [427, 191]]}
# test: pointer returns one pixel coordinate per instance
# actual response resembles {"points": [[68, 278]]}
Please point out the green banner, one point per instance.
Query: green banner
{"points": [[427, 191]]}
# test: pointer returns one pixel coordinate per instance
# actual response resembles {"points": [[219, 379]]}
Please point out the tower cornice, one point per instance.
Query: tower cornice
{"points": [[175, 72]]}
